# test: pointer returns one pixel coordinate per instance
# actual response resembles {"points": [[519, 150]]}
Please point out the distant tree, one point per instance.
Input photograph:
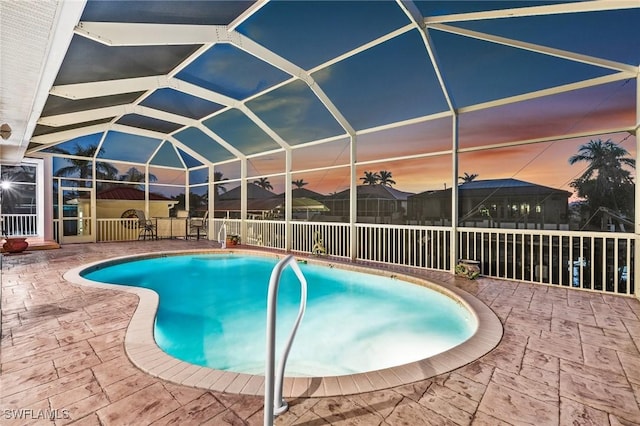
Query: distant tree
{"points": [[468, 177], [135, 175], [220, 188], [299, 183], [605, 182], [84, 168], [197, 203], [385, 178], [263, 183], [370, 178]]}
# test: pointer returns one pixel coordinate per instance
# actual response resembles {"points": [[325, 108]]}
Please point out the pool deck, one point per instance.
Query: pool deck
{"points": [[566, 357]]}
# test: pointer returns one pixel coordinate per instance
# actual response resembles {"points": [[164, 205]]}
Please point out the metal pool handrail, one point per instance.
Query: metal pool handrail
{"points": [[223, 241], [273, 401]]}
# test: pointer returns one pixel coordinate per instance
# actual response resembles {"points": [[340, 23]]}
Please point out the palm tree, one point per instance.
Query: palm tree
{"points": [[263, 183], [220, 188], [135, 175], [468, 177], [385, 178], [605, 182], [84, 168], [370, 178], [299, 183]]}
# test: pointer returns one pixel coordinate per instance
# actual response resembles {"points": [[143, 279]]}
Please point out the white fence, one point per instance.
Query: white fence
{"points": [[19, 225], [332, 239], [589, 260], [423, 247], [595, 261], [117, 229]]}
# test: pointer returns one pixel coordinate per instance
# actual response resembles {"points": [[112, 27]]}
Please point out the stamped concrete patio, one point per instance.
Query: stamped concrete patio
{"points": [[567, 358]]}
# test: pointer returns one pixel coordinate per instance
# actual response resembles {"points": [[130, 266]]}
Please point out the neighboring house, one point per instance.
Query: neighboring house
{"points": [[263, 204], [507, 203], [115, 202], [260, 202], [376, 204]]}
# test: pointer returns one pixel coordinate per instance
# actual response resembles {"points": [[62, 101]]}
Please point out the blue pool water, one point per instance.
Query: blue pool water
{"points": [[212, 312]]}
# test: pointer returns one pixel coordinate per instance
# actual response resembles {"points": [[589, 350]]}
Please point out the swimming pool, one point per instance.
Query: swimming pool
{"points": [[211, 314]]}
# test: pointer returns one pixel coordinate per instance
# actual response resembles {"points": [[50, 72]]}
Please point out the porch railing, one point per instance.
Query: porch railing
{"points": [[19, 225], [266, 233], [422, 247], [596, 261], [330, 238], [117, 229]]}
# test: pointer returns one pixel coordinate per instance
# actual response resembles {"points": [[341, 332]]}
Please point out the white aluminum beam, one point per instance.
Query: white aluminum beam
{"points": [[549, 51], [83, 116], [551, 138], [176, 143], [414, 14], [70, 134], [247, 14], [262, 125], [163, 115], [554, 9], [201, 92], [277, 61], [109, 87], [547, 92], [220, 140], [141, 34]]}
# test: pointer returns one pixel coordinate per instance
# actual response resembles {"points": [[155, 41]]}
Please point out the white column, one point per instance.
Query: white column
{"points": [[353, 200], [636, 251], [288, 201], [46, 186], [243, 199], [211, 205], [454, 194]]}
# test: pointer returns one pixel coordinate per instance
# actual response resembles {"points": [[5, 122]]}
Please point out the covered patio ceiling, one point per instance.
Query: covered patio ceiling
{"points": [[166, 82]]}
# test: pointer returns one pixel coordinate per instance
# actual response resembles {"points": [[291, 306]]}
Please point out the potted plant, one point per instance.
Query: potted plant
{"points": [[233, 240]]}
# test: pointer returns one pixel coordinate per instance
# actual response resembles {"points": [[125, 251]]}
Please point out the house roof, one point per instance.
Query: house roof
{"points": [[502, 183], [305, 193], [119, 193], [269, 204], [374, 191], [501, 186], [254, 192]]}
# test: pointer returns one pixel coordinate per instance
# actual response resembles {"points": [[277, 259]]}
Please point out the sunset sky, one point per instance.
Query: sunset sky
{"points": [[387, 80]]}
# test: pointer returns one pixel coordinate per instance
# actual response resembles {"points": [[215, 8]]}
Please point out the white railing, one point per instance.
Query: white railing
{"points": [[266, 233], [417, 246], [334, 238], [117, 229], [19, 225], [273, 401], [597, 261], [231, 226]]}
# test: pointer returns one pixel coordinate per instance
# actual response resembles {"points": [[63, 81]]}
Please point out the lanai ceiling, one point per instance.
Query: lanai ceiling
{"points": [[165, 81]]}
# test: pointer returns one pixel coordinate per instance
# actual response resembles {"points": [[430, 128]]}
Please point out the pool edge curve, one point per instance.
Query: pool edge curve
{"points": [[142, 350]]}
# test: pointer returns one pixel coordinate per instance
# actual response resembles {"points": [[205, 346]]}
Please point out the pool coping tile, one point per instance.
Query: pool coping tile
{"points": [[142, 350]]}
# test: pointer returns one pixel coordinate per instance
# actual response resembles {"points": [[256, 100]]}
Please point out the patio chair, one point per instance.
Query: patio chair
{"points": [[198, 225], [146, 226]]}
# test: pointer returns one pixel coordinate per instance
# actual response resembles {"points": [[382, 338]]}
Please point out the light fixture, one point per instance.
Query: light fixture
{"points": [[5, 131]]}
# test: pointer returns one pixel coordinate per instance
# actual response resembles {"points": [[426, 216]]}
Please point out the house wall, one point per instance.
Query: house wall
{"points": [[113, 209]]}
